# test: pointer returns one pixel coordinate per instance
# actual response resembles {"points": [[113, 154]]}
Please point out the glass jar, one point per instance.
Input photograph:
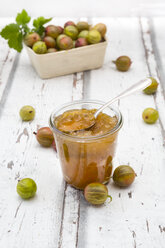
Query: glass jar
{"points": [[86, 159]]}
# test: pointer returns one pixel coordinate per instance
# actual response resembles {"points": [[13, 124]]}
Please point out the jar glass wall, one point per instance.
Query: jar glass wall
{"points": [[86, 159]]}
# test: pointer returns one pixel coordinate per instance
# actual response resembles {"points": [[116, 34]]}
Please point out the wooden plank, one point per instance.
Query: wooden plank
{"points": [[59, 214], [71, 214], [71, 204], [153, 69], [8, 61], [21, 157], [135, 218], [34, 223], [158, 38]]}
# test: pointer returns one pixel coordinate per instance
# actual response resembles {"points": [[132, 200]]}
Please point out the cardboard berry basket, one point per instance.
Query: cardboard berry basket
{"points": [[60, 63]]}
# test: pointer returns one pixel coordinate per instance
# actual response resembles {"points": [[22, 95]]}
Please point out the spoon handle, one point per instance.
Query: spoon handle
{"points": [[142, 84]]}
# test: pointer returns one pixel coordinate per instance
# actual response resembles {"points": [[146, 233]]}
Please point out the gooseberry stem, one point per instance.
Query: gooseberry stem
{"points": [[35, 133], [110, 198]]}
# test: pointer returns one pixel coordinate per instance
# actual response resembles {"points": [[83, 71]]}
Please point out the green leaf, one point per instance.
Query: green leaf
{"points": [[15, 32], [25, 29], [40, 21], [16, 43], [12, 33], [38, 24], [22, 18], [40, 30], [10, 30]]}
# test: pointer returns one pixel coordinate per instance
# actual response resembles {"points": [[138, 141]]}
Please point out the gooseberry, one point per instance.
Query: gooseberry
{"points": [[123, 63], [26, 188], [123, 175], [150, 115], [27, 113], [96, 193], [152, 88], [44, 136]]}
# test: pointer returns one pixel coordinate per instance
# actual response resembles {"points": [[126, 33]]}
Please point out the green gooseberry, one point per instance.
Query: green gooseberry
{"points": [[83, 34], [82, 26], [27, 113], [152, 88], [26, 188], [94, 36], [96, 193], [71, 31], [123, 63], [150, 115], [39, 47], [123, 175]]}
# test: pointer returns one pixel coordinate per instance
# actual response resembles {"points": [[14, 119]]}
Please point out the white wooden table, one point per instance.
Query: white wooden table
{"points": [[59, 217]]}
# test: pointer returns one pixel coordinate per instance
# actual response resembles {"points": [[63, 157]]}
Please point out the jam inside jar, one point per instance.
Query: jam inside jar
{"points": [[85, 155]]}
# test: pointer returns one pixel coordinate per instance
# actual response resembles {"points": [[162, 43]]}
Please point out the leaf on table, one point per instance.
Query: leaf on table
{"points": [[12, 33]]}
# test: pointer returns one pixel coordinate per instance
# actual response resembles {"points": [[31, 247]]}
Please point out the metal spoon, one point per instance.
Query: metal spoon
{"points": [[138, 86]]}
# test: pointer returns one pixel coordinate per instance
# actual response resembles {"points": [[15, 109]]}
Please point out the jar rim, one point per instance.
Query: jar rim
{"points": [[112, 131]]}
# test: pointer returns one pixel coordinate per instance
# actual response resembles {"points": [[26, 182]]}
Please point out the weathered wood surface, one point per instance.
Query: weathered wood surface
{"points": [[59, 216], [129, 220], [7, 58], [158, 37]]}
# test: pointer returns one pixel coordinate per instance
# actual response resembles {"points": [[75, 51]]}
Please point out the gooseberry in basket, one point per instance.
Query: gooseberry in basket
{"points": [[93, 37], [123, 63], [27, 113], [71, 31], [31, 38], [65, 43], [51, 50], [49, 41], [81, 42], [82, 26], [60, 29], [83, 34], [69, 23], [96, 193], [101, 27], [152, 88], [26, 188], [44, 136], [123, 175], [59, 38], [150, 115], [52, 31], [39, 47]]}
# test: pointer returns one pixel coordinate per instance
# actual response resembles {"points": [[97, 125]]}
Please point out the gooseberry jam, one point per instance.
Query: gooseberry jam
{"points": [[85, 155]]}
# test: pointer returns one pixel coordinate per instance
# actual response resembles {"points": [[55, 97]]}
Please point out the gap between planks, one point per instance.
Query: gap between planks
{"points": [[157, 54], [71, 202], [8, 61], [7, 75], [145, 27]]}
